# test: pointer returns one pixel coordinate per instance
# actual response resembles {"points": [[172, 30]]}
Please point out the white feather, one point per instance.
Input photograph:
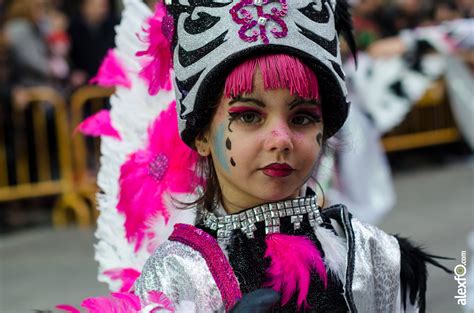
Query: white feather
{"points": [[335, 251], [132, 111]]}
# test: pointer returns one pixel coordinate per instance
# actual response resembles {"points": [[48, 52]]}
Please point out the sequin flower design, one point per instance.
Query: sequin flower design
{"points": [[166, 166], [254, 20]]}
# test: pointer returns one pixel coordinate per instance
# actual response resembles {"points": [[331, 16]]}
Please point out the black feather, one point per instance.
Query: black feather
{"points": [[413, 273], [344, 27]]}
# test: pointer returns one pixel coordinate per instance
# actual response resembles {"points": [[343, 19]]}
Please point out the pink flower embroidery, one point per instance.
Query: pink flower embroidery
{"points": [[257, 26]]}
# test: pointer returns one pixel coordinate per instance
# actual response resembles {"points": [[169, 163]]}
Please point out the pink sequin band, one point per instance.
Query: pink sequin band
{"points": [[255, 26], [218, 265]]}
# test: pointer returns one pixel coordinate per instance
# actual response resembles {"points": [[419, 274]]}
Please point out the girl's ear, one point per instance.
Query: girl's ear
{"points": [[202, 144]]}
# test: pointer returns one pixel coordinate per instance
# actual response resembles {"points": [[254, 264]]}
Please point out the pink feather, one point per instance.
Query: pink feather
{"points": [[98, 124], [165, 166], [118, 302], [67, 308], [121, 302], [156, 68], [111, 73], [161, 300], [126, 275], [293, 258]]}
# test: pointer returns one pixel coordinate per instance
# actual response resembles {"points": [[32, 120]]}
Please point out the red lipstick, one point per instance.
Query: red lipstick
{"points": [[278, 170]]}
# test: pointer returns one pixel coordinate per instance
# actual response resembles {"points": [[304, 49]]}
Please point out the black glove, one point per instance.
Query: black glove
{"points": [[258, 301]]}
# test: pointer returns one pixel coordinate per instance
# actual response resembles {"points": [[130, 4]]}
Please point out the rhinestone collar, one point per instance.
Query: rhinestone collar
{"points": [[270, 213]]}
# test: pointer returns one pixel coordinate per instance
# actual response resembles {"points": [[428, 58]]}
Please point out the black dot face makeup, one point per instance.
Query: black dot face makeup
{"points": [[319, 138], [228, 145]]}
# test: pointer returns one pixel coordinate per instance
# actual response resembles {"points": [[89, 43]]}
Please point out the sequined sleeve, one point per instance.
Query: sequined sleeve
{"points": [[181, 273], [376, 269]]}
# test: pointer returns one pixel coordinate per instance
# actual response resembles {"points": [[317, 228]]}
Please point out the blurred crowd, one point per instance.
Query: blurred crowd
{"points": [[61, 43], [52, 43], [378, 19]]}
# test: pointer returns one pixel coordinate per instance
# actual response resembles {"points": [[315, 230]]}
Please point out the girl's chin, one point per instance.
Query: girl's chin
{"points": [[278, 196]]}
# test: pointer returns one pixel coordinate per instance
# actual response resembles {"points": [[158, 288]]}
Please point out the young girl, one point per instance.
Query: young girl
{"points": [[259, 89]]}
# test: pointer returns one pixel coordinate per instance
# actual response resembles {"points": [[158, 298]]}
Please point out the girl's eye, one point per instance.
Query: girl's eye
{"points": [[305, 119], [249, 117]]}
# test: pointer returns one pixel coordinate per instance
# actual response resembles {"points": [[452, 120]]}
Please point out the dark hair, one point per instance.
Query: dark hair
{"points": [[211, 188], [206, 175]]}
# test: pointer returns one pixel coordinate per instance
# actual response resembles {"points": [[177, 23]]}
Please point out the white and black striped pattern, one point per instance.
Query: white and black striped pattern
{"points": [[207, 44]]}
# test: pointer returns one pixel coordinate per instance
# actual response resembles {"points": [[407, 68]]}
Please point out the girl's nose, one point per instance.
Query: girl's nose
{"points": [[279, 139]]}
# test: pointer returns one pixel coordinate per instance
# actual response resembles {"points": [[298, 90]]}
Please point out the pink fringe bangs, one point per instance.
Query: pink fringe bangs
{"points": [[278, 71]]}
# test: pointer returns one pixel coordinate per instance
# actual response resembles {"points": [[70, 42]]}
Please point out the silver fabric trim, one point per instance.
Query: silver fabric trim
{"points": [[376, 276], [182, 274]]}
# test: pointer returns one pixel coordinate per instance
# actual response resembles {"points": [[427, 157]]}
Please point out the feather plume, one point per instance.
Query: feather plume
{"points": [[160, 300], [344, 25], [123, 302], [98, 124], [413, 273], [134, 110], [118, 302], [335, 250], [156, 69], [165, 166], [293, 258], [111, 72], [126, 275], [67, 308]]}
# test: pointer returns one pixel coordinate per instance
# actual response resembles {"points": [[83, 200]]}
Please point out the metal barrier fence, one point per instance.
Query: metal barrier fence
{"points": [[86, 101], [40, 156], [36, 155]]}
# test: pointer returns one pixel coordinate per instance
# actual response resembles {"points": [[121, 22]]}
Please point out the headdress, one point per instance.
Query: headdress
{"points": [[210, 37]]}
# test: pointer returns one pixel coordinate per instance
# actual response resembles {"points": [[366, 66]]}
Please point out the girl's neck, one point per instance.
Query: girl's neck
{"points": [[230, 206]]}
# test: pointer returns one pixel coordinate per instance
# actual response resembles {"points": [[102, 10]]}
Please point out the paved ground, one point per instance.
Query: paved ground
{"points": [[44, 267], [436, 208]]}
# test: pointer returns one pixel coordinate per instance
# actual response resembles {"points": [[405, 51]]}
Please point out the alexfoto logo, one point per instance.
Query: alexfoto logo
{"points": [[459, 276]]}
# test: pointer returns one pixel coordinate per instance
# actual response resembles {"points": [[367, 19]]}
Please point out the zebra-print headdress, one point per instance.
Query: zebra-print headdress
{"points": [[210, 37]]}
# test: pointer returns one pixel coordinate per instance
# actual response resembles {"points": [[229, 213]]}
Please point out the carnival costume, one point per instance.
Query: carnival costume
{"points": [[203, 259]]}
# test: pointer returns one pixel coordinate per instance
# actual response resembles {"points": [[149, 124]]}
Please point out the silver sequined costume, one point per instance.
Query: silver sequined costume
{"points": [[372, 278]]}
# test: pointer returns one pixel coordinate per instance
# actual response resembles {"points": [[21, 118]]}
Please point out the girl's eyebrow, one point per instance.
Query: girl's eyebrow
{"points": [[240, 99], [300, 101], [292, 105]]}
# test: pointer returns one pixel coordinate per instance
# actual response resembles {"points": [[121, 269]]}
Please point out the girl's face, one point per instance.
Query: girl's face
{"points": [[264, 145]]}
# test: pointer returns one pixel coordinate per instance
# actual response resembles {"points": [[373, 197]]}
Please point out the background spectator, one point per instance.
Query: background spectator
{"points": [[92, 34], [25, 29]]}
